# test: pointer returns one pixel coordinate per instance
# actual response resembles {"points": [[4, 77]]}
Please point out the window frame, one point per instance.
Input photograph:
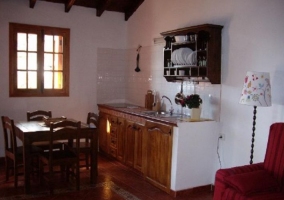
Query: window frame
{"points": [[15, 28]]}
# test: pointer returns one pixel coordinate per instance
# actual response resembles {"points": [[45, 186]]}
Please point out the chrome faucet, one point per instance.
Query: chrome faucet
{"points": [[171, 109]]}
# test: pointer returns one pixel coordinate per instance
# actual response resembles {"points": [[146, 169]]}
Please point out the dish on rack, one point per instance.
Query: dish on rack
{"points": [[183, 56]]}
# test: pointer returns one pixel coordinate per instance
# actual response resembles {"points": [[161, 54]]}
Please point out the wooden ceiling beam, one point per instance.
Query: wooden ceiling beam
{"points": [[32, 3], [102, 5], [132, 9], [68, 5]]}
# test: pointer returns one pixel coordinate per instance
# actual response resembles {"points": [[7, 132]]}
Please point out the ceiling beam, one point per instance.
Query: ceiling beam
{"points": [[102, 5], [68, 5], [132, 9], [32, 3]]}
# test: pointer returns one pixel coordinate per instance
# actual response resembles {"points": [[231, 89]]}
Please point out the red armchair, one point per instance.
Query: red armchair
{"points": [[260, 181]]}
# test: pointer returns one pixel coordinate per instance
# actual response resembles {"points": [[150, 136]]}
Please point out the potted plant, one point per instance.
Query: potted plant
{"points": [[193, 102]]}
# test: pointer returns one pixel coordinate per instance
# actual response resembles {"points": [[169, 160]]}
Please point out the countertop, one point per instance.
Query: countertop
{"points": [[142, 112]]}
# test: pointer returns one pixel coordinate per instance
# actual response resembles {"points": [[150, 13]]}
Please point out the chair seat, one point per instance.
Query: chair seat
{"points": [[20, 151], [44, 145], [59, 155]]}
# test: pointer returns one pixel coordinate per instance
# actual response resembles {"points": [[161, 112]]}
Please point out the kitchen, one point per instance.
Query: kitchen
{"points": [[103, 62]]}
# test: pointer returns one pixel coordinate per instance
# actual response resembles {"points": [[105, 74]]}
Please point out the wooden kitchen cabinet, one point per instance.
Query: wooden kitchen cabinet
{"points": [[103, 132], [146, 144], [197, 57], [158, 154], [134, 145], [116, 145], [120, 139]]}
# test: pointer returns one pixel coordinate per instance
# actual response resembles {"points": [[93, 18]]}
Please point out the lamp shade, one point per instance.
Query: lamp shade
{"points": [[256, 90]]}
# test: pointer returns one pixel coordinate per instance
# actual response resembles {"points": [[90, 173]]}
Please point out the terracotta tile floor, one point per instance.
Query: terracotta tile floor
{"points": [[114, 182]]}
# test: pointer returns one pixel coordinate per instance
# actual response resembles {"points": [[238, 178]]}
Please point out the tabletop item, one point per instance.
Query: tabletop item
{"points": [[47, 121], [149, 100]]}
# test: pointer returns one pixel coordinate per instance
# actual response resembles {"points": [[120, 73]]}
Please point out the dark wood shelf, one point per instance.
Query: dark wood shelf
{"points": [[207, 45]]}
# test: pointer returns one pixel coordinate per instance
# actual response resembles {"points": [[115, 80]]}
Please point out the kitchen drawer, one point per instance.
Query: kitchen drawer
{"points": [[113, 120], [113, 152], [113, 142], [113, 132]]}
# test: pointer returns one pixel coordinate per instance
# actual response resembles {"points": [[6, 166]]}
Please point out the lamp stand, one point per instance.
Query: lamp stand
{"points": [[253, 134]]}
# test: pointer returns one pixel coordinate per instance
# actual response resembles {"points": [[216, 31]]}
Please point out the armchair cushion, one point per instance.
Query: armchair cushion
{"points": [[252, 182]]}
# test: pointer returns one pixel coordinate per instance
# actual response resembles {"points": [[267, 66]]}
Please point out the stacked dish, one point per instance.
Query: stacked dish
{"points": [[184, 56]]}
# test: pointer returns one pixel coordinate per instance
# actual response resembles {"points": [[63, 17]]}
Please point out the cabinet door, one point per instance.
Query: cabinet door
{"points": [[134, 145], [103, 132], [129, 144], [120, 139], [138, 146], [159, 154], [113, 136]]}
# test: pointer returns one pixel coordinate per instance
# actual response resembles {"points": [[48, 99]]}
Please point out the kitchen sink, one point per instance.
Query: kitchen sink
{"points": [[161, 114]]}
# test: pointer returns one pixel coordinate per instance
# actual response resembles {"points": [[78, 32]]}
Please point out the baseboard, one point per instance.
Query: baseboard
{"points": [[191, 191]]}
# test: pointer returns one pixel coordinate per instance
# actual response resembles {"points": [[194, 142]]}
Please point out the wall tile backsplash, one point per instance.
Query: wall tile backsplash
{"points": [[117, 81]]}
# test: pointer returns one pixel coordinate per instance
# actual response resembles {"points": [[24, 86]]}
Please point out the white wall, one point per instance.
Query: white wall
{"points": [[88, 32], [252, 39]]}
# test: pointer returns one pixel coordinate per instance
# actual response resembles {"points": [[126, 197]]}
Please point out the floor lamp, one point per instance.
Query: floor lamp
{"points": [[256, 92]]}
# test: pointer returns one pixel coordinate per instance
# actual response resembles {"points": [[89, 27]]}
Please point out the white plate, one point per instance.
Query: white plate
{"points": [[179, 58], [189, 59], [185, 53], [174, 57], [193, 58]]}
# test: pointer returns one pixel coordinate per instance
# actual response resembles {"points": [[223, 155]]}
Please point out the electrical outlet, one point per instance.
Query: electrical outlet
{"points": [[222, 137]]}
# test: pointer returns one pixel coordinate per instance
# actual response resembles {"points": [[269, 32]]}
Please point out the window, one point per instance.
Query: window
{"points": [[39, 61]]}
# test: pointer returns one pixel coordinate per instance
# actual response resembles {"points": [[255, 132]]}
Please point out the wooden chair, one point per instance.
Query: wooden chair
{"points": [[13, 152], [85, 146], [68, 157], [39, 115]]}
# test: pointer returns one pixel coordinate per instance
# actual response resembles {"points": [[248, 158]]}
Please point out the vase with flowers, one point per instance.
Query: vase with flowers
{"points": [[193, 102]]}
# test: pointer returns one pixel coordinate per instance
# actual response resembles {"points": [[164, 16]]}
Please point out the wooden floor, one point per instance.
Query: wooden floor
{"points": [[114, 182]]}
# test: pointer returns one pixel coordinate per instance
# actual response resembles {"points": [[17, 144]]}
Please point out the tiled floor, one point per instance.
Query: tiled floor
{"points": [[115, 182]]}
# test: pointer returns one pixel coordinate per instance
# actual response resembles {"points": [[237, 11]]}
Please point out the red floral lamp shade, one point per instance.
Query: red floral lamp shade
{"points": [[256, 90]]}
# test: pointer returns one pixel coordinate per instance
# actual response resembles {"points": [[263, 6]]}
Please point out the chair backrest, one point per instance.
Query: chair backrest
{"points": [[93, 119], [38, 115], [274, 157], [10, 140], [70, 129]]}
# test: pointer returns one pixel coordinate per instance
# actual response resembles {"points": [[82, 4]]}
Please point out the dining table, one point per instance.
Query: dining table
{"points": [[35, 131]]}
